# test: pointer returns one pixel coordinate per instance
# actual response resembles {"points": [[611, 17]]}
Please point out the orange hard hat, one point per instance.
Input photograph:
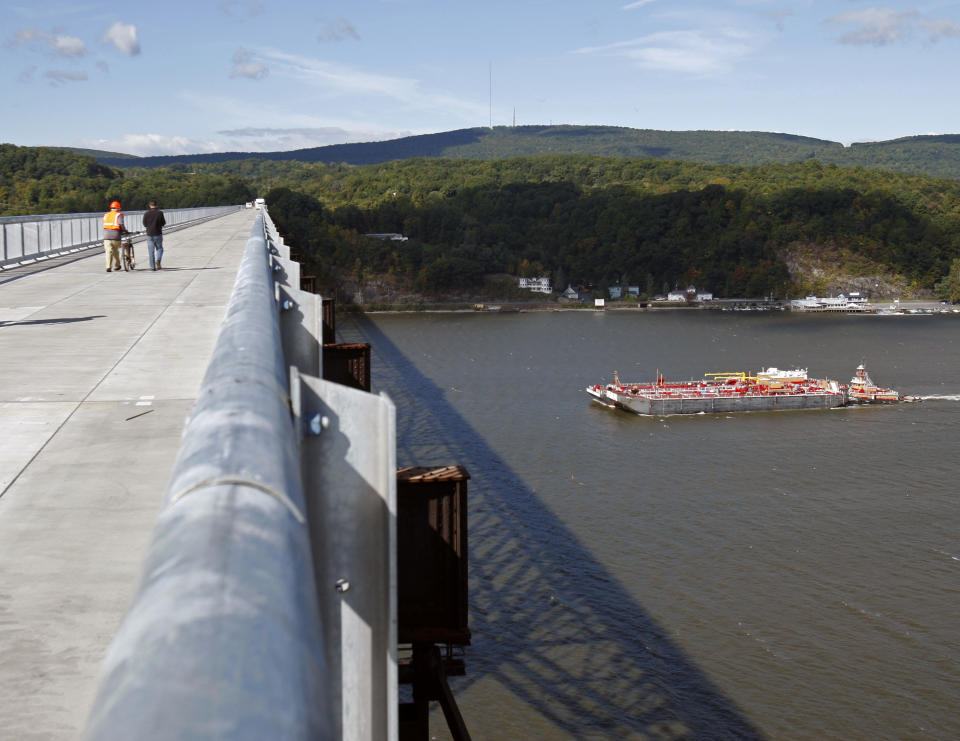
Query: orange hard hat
{"points": [[115, 204]]}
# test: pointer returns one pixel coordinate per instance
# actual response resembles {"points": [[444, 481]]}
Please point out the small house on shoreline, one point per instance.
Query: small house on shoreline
{"points": [[537, 285], [690, 295]]}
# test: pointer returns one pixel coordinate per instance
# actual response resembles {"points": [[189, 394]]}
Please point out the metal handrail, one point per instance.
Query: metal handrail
{"points": [[29, 237], [224, 637]]}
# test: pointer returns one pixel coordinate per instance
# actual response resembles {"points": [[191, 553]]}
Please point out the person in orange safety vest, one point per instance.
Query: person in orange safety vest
{"points": [[113, 231]]}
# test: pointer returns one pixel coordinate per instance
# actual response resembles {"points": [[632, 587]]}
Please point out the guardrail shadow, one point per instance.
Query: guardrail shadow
{"points": [[549, 623], [59, 320]]}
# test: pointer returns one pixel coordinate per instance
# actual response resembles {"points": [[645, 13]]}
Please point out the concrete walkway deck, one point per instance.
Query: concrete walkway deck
{"points": [[98, 372]]}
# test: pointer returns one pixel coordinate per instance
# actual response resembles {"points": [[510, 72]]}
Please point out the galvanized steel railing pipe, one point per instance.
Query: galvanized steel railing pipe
{"points": [[224, 638]]}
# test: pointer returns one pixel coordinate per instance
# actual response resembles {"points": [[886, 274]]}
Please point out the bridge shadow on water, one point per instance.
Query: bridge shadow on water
{"points": [[550, 625]]}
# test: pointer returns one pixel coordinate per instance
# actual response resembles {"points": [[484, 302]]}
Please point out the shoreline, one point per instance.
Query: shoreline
{"points": [[918, 307]]}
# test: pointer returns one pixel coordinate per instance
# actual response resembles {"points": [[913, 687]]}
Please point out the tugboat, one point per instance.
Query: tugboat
{"points": [[864, 391]]}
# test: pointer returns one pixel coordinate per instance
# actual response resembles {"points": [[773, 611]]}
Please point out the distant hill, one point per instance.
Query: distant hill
{"points": [[719, 147], [100, 155], [938, 156]]}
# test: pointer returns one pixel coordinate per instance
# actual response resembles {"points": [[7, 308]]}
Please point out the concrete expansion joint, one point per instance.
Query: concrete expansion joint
{"points": [[241, 481]]}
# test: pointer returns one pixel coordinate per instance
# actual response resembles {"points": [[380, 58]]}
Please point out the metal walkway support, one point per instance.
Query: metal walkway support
{"points": [[348, 444], [267, 607]]}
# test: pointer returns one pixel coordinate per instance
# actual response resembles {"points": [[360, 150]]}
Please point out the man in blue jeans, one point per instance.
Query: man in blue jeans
{"points": [[154, 222]]}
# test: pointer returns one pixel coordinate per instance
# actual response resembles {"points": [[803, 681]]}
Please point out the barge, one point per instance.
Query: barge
{"points": [[770, 389]]}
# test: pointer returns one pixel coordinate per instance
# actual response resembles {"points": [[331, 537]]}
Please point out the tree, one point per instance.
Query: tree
{"points": [[949, 287], [453, 273]]}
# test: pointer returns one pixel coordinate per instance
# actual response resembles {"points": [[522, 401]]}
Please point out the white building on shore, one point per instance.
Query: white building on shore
{"points": [[537, 285], [853, 302], [690, 294]]}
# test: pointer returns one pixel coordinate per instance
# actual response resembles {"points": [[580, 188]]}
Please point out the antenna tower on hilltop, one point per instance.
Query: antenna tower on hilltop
{"points": [[490, 92]]}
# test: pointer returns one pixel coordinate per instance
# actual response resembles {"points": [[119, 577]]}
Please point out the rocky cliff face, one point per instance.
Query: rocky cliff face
{"points": [[827, 270]]}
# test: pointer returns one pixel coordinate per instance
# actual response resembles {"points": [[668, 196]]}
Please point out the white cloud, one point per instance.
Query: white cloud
{"points": [[340, 77], [876, 26], [943, 28], [240, 7], [270, 121], [243, 67], [147, 145], [24, 36], [58, 77], [322, 131], [124, 37], [637, 4], [697, 51], [262, 139], [883, 26], [67, 46], [249, 139], [341, 80], [339, 30], [778, 17], [58, 45]]}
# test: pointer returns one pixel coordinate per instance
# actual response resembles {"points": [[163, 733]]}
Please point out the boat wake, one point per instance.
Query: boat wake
{"points": [[940, 397], [947, 553]]}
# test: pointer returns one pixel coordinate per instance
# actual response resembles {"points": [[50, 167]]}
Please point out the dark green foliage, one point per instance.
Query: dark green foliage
{"points": [[949, 287], [453, 274], [181, 190], [43, 180], [592, 220], [650, 223]]}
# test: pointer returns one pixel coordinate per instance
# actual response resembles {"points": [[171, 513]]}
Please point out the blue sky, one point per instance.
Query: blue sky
{"points": [[262, 75]]}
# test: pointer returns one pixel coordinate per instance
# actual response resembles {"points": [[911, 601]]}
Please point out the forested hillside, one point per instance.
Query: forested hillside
{"points": [[938, 156], [738, 231], [472, 225], [43, 180]]}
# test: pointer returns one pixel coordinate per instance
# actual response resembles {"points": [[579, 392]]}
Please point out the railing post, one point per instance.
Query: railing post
{"points": [[348, 454]]}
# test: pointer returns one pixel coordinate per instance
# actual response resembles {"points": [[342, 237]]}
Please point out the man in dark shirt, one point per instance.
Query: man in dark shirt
{"points": [[153, 221]]}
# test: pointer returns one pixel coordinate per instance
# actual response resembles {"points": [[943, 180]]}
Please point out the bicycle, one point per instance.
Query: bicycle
{"points": [[126, 254]]}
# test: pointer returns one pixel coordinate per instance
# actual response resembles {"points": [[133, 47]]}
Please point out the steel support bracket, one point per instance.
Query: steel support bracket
{"points": [[347, 443]]}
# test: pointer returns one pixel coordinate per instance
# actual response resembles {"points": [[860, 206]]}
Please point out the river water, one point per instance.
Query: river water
{"points": [[778, 575]]}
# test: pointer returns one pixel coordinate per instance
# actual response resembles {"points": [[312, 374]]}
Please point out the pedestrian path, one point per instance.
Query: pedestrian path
{"points": [[98, 372]]}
